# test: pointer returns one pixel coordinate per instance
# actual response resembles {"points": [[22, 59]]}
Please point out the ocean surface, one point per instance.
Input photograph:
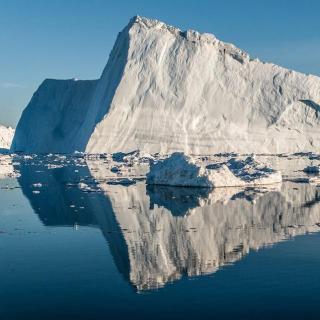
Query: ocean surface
{"points": [[73, 246]]}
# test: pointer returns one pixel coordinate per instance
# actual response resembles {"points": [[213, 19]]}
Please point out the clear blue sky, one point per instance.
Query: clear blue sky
{"points": [[72, 38]]}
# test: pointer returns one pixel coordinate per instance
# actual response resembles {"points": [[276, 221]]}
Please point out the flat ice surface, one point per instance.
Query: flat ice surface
{"points": [[185, 171], [165, 90]]}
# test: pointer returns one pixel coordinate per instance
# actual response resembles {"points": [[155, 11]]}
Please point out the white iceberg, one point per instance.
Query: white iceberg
{"points": [[165, 90], [185, 171], [6, 136]]}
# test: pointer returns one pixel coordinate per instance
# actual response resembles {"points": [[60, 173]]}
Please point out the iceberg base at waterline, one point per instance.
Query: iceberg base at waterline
{"points": [[185, 171]]}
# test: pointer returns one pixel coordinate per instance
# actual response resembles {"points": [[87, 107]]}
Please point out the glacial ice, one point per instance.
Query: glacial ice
{"points": [[6, 136], [185, 171], [53, 121], [164, 90]]}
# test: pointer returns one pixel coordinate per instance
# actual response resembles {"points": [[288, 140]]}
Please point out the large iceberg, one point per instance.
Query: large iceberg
{"points": [[185, 171], [166, 90]]}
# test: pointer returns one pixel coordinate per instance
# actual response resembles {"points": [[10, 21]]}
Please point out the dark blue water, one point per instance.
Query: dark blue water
{"points": [[65, 255]]}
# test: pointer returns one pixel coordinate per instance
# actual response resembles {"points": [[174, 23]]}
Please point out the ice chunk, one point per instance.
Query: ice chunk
{"points": [[37, 185], [182, 170]]}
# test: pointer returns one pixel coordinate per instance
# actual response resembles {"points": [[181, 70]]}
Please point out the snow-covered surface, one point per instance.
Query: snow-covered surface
{"points": [[6, 136], [164, 90], [185, 171]]}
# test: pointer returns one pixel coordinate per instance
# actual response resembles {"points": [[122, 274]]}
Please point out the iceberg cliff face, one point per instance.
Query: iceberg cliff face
{"points": [[165, 90]]}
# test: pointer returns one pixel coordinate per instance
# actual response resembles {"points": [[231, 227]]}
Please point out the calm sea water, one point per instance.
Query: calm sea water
{"points": [[69, 252]]}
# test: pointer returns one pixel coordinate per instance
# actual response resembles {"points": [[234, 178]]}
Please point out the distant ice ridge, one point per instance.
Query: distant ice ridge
{"points": [[6, 136], [164, 90], [184, 171]]}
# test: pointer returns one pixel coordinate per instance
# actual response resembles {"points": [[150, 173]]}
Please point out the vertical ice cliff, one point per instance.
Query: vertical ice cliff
{"points": [[165, 90], [6, 136]]}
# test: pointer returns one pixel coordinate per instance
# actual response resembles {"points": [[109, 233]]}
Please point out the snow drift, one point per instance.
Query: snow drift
{"points": [[164, 90], [184, 171]]}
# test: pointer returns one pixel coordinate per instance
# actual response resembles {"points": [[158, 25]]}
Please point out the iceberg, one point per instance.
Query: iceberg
{"points": [[6, 136], [185, 171], [164, 90]]}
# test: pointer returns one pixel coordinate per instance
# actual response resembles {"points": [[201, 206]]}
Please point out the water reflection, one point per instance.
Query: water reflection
{"points": [[159, 234]]}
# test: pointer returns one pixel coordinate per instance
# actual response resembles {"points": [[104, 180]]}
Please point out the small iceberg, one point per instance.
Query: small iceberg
{"points": [[186, 171]]}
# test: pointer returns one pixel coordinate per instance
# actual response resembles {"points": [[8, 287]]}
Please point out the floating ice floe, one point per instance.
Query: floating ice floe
{"points": [[37, 185], [121, 181], [55, 166], [182, 170], [27, 157], [92, 187]]}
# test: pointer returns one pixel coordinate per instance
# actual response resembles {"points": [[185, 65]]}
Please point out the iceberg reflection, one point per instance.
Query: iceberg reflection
{"points": [[159, 234]]}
